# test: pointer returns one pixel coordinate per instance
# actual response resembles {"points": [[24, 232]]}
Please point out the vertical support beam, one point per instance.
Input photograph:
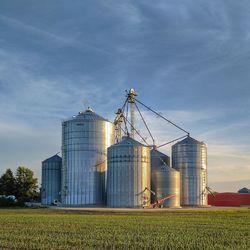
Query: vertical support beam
{"points": [[118, 125], [131, 100], [132, 117]]}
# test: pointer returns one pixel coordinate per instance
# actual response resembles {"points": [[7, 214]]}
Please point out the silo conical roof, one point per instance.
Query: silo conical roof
{"points": [[126, 140], [189, 140], [156, 153], [54, 158], [165, 168], [88, 115]]}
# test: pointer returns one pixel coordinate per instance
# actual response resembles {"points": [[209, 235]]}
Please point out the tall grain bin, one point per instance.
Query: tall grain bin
{"points": [[51, 180], [128, 174], [157, 158], [85, 139], [189, 156]]}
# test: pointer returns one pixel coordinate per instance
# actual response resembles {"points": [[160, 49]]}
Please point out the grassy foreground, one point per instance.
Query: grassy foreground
{"points": [[150, 229]]}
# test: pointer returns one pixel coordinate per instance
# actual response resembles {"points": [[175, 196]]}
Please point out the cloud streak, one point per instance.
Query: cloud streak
{"points": [[57, 40]]}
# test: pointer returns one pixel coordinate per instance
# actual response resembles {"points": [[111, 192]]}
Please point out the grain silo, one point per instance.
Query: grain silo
{"points": [[51, 180], [189, 156], [157, 158], [85, 139], [165, 181], [128, 174]]}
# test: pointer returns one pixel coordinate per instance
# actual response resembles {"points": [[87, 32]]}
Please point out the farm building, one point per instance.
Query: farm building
{"points": [[229, 199]]}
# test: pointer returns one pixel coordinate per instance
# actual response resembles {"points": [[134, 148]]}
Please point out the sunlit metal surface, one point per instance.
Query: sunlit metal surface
{"points": [[128, 174], [189, 156], [165, 181], [51, 180], [85, 139]]}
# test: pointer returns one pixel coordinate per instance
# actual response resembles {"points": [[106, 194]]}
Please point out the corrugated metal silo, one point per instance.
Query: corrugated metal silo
{"points": [[85, 139], [189, 156], [165, 181], [51, 180], [128, 174], [157, 158]]}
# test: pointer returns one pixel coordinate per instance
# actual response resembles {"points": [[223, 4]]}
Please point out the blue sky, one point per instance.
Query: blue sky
{"points": [[189, 59]]}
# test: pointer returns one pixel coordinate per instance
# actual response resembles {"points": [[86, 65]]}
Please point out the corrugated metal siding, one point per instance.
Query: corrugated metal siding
{"points": [[165, 181], [190, 158], [85, 140], [51, 180], [157, 158], [128, 174]]}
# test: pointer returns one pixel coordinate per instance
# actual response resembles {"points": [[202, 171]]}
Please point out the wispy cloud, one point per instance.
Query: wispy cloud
{"points": [[27, 28], [127, 11], [57, 40]]}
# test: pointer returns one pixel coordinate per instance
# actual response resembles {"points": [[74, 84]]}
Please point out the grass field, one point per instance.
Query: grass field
{"points": [[106, 229]]}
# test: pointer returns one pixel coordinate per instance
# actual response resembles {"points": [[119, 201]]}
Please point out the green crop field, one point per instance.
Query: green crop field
{"points": [[117, 229]]}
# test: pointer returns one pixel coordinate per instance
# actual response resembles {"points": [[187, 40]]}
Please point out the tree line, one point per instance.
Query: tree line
{"points": [[23, 185]]}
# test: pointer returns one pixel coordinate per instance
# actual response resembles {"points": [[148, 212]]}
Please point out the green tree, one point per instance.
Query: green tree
{"points": [[7, 183], [26, 184]]}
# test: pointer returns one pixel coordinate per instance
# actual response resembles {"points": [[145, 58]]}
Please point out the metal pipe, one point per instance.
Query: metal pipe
{"points": [[158, 114], [131, 99], [137, 131], [132, 117], [145, 124], [164, 144]]}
